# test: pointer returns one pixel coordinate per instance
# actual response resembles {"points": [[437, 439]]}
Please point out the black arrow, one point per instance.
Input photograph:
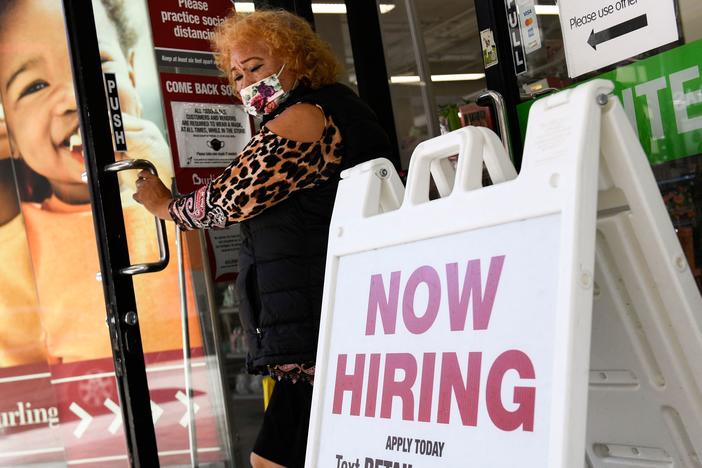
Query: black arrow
{"points": [[617, 30]]}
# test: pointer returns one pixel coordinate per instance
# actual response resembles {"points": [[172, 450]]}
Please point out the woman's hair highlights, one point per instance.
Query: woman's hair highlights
{"points": [[287, 36]]}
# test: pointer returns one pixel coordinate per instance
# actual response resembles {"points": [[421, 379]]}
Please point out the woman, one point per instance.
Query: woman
{"points": [[281, 190]]}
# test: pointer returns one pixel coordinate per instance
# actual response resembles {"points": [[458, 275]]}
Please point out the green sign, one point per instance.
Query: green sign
{"points": [[662, 95]]}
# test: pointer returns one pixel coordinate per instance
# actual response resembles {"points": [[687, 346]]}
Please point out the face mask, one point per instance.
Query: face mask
{"points": [[264, 96]]}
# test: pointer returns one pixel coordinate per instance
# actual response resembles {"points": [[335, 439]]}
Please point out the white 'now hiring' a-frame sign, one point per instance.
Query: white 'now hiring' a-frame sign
{"points": [[547, 320]]}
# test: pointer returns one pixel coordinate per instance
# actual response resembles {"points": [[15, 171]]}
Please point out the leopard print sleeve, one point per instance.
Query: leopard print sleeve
{"points": [[265, 173]]}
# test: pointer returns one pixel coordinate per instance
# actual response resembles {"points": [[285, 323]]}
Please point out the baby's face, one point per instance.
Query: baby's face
{"points": [[4, 142], [37, 87]]}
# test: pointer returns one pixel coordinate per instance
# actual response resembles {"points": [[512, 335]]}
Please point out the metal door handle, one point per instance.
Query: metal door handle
{"points": [[162, 262], [498, 103]]}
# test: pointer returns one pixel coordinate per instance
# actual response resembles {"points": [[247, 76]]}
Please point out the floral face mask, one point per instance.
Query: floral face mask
{"points": [[264, 96]]}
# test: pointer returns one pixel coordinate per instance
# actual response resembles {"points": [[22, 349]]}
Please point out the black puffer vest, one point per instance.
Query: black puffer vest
{"points": [[283, 254]]}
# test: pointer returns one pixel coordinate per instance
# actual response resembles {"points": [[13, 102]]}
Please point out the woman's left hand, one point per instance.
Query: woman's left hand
{"points": [[153, 194]]}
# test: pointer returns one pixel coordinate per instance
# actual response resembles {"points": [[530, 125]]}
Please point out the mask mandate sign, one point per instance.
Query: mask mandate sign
{"points": [[599, 33]]}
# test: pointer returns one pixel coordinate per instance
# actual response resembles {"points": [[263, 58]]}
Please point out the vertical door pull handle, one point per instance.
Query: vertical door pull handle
{"points": [[162, 262], [498, 104]]}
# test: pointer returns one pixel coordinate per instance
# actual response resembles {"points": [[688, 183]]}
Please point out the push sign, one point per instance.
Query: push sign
{"points": [[515, 36], [115, 112]]}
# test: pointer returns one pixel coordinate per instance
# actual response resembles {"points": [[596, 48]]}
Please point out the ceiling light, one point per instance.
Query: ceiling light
{"points": [[404, 79], [340, 8], [458, 77], [244, 7], [329, 8], [318, 8], [546, 9]]}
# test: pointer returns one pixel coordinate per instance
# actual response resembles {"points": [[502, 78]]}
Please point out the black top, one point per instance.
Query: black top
{"points": [[283, 253]]}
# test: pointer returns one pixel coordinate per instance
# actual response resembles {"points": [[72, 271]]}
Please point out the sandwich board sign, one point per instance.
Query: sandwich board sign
{"points": [[645, 371], [598, 33], [457, 331]]}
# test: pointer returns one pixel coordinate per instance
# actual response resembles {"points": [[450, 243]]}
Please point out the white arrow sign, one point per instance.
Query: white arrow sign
{"points": [[114, 407], [183, 398], [156, 412], [85, 419]]}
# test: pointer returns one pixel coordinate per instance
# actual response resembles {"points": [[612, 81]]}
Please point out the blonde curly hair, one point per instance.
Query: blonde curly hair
{"points": [[287, 37]]}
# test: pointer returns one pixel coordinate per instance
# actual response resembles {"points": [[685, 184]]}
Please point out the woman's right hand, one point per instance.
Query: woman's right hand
{"points": [[153, 194]]}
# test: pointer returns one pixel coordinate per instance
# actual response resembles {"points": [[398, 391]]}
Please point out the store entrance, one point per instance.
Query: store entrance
{"points": [[70, 230], [658, 86], [95, 368]]}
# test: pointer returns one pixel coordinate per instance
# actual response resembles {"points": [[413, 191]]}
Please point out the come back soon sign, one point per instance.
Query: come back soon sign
{"points": [[435, 356]]}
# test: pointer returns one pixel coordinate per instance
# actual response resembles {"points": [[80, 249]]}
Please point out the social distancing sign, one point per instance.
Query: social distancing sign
{"points": [[456, 332], [598, 33]]}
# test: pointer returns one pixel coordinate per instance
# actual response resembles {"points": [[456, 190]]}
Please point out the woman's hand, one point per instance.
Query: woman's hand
{"points": [[151, 193]]}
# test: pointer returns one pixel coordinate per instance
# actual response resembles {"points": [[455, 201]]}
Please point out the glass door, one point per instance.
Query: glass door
{"points": [[93, 369]]}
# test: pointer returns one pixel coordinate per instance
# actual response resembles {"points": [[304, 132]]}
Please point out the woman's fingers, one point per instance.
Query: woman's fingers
{"points": [[152, 194], [145, 175], [144, 178]]}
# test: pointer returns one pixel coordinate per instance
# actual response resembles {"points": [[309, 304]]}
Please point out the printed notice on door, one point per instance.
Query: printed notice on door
{"points": [[209, 135], [599, 33], [225, 244]]}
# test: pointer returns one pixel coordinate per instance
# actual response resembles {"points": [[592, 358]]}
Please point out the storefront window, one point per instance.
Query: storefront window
{"points": [[59, 402], [668, 121], [334, 29], [452, 45]]}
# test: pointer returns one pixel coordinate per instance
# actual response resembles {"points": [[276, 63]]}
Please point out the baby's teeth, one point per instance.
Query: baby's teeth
{"points": [[75, 142]]}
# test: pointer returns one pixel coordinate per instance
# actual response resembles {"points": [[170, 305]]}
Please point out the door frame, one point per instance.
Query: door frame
{"points": [[118, 288]]}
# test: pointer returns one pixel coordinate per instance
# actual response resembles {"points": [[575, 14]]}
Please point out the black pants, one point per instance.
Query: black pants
{"points": [[283, 435]]}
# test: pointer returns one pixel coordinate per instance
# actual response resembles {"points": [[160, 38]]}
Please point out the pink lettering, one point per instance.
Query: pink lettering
{"points": [[525, 397], [472, 287], [372, 393], [426, 389], [349, 383], [399, 388], [452, 384], [400, 373], [384, 305], [429, 276]]}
